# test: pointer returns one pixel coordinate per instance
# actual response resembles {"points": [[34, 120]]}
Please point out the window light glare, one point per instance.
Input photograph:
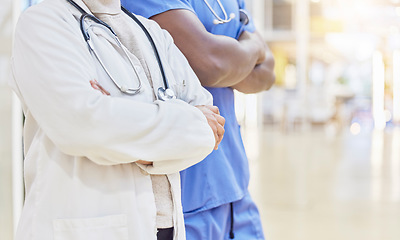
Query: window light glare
{"points": [[355, 128]]}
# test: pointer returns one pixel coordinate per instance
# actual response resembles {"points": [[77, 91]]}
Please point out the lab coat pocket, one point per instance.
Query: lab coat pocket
{"points": [[112, 227]]}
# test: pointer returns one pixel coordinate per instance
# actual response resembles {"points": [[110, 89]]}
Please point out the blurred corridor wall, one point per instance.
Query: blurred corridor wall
{"points": [[6, 191]]}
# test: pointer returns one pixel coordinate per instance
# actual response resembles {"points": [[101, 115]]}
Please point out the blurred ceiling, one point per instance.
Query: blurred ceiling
{"points": [[339, 29]]}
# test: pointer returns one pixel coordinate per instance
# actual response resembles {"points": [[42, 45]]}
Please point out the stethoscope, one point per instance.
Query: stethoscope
{"points": [[243, 15], [163, 93]]}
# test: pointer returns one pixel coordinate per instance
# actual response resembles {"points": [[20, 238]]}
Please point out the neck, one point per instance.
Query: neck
{"points": [[103, 6]]}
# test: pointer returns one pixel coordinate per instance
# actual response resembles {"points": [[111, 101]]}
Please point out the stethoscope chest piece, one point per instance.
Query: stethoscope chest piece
{"points": [[244, 17], [165, 94]]}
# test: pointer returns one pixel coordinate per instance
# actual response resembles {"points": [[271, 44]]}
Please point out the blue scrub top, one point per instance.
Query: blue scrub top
{"points": [[223, 176]]}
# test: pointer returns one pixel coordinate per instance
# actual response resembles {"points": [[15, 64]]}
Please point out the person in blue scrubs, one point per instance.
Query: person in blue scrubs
{"points": [[225, 56]]}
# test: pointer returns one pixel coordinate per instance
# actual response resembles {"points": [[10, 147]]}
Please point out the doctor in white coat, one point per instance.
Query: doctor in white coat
{"points": [[100, 163]]}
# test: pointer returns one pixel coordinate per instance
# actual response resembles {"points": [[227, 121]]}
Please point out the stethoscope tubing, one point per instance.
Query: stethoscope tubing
{"points": [[152, 44], [123, 88], [163, 93]]}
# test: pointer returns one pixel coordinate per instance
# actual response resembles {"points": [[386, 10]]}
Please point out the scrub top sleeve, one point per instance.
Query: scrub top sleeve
{"points": [[188, 86], [149, 8]]}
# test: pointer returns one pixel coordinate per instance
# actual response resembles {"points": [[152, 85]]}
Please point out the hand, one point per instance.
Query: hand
{"points": [[144, 162], [215, 120], [96, 85]]}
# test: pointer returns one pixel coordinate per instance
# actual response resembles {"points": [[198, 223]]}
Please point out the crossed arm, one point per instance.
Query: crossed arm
{"points": [[245, 64], [214, 120], [261, 77]]}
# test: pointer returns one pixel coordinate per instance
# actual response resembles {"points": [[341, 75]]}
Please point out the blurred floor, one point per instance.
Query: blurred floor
{"points": [[311, 185], [6, 223]]}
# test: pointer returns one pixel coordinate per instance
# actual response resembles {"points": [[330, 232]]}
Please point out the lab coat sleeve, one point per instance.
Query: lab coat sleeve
{"points": [[52, 69]]}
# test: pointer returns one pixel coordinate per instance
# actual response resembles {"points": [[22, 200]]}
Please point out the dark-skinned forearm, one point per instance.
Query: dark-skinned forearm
{"points": [[218, 61], [260, 79]]}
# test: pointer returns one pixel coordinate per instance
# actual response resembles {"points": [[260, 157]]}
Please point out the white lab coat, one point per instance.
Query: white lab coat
{"points": [[80, 145]]}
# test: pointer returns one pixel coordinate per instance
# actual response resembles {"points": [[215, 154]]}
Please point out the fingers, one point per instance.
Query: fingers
{"points": [[220, 130], [214, 109], [220, 119], [144, 162], [97, 86], [215, 121]]}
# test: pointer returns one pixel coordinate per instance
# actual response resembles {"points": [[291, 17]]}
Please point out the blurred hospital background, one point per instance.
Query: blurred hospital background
{"points": [[323, 143]]}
